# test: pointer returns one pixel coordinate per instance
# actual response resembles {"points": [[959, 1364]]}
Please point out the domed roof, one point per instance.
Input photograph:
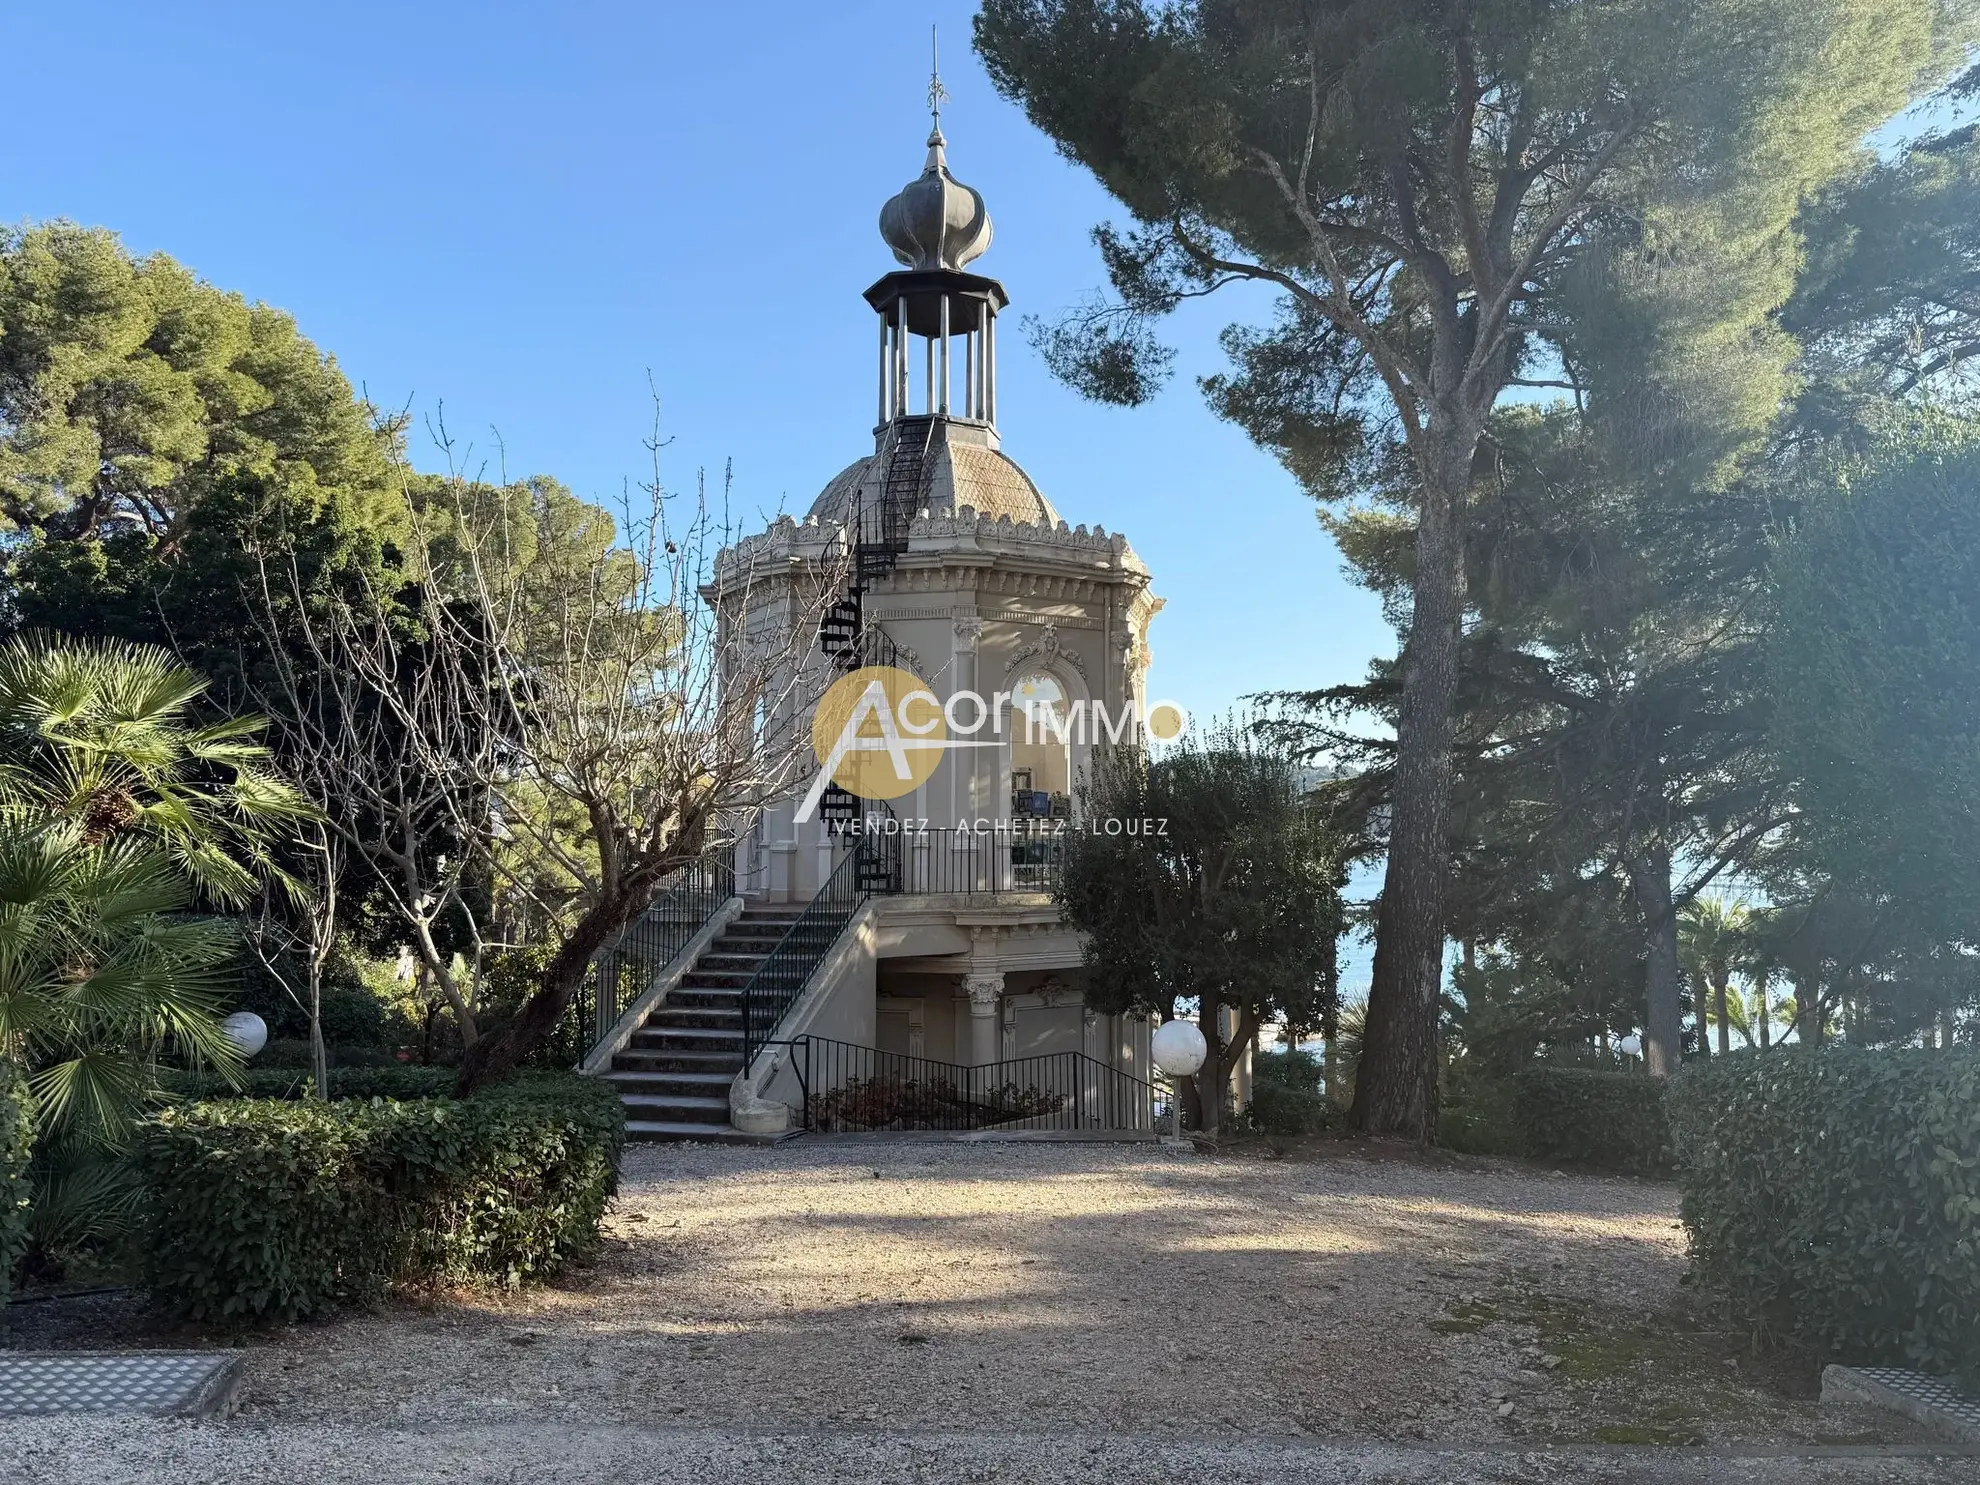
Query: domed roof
{"points": [[967, 469], [935, 221]]}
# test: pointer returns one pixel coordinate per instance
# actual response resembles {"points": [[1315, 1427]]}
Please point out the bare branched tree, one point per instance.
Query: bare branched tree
{"points": [[284, 927], [547, 714]]}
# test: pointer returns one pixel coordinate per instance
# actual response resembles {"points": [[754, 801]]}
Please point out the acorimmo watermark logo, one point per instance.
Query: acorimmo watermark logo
{"points": [[880, 733]]}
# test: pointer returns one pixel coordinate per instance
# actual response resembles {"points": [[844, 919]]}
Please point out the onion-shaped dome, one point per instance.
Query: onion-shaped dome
{"points": [[936, 221]]}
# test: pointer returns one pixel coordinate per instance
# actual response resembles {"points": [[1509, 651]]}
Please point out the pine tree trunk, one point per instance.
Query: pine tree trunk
{"points": [[1663, 1040], [1762, 1012], [1725, 1030], [1395, 1090]]}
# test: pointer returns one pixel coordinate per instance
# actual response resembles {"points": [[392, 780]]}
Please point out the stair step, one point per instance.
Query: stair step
{"points": [[671, 1089], [672, 1018], [709, 997], [682, 1110], [689, 1039], [726, 1064], [680, 1132]]}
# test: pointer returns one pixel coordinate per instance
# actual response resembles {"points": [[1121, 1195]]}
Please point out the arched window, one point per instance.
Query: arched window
{"points": [[1041, 747]]}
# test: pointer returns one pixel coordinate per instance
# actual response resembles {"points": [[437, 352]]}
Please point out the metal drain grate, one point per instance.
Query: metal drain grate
{"points": [[186, 1383], [1927, 1400], [1934, 1392]]}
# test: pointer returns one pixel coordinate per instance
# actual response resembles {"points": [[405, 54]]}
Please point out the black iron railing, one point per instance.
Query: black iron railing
{"points": [[999, 858], [845, 1088], [621, 971], [782, 975]]}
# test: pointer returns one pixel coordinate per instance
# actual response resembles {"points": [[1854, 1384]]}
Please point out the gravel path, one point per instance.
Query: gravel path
{"points": [[62, 1452], [849, 1300]]}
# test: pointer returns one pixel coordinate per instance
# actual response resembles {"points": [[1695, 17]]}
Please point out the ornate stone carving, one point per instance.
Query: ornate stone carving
{"points": [[1053, 991], [984, 991], [1048, 648], [968, 632]]}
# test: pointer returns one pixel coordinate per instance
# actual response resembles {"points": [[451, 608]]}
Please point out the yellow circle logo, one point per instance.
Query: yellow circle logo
{"points": [[1166, 721], [879, 732]]}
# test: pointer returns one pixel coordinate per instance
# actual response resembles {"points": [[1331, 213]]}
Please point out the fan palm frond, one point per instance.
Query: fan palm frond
{"points": [[80, 1195], [98, 733]]}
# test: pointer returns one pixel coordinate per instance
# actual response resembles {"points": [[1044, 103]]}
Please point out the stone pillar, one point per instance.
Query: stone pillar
{"points": [[783, 884], [965, 765], [986, 992]]}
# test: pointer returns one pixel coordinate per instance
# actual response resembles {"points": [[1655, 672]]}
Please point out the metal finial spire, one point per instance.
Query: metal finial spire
{"points": [[937, 94]]}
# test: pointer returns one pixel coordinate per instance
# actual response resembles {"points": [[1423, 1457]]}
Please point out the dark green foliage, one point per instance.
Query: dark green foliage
{"points": [[1287, 1094], [864, 1104], [269, 1209], [353, 1016], [1585, 1116], [1235, 903], [1886, 299], [1876, 660], [1478, 1115], [345, 1082], [1833, 1198], [16, 1142]]}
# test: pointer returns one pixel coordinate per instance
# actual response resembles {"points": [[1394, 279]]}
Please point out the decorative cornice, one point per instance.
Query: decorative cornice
{"points": [[1105, 557]]}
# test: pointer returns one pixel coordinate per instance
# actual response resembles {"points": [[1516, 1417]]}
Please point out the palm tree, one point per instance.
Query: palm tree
{"points": [[1711, 933], [99, 734], [120, 816], [104, 979]]}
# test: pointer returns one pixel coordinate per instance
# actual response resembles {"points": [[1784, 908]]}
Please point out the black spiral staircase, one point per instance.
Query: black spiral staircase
{"points": [[879, 529]]}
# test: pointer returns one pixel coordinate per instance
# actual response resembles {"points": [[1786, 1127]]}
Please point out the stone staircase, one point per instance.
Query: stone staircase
{"points": [[675, 1073]]}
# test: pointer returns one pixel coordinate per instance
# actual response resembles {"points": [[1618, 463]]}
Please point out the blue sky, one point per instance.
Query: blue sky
{"points": [[520, 211]]}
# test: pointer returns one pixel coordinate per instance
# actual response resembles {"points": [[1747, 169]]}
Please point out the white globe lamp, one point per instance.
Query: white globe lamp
{"points": [[1178, 1050], [247, 1031], [1630, 1046]]}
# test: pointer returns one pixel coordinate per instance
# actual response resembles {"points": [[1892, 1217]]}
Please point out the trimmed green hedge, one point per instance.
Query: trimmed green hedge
{"points": [[1833, 1199], [1287, 1096], [1278, 1108], [403, 1081], [1585, 1116], [273, 1209], [16, 1143]]}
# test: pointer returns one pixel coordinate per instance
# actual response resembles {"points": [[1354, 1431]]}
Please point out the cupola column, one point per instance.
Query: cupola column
{"points": [[990, 367], [941, 404]]}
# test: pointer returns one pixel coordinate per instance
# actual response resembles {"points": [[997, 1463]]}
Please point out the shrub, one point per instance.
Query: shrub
{"points": [[1278, 1109], [1585, 1116], [360, 1006], [400, 1080], [1287, 1094], [276, 1209], [16, 1141], [284, 1052], [866, 1104], [1833, 1199], [1478, 1114]]}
